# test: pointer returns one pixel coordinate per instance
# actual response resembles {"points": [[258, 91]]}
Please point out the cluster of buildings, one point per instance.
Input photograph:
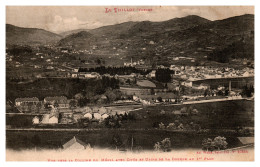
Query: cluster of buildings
{"points": [[135, 63], [184, 58], [190, 73], [149, 99], [85, 75], [193, 73], [60, 112], [46, 119], [56, 101], [67, 116]]}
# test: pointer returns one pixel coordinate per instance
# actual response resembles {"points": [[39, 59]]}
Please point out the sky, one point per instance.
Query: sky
{"points": [[64, 18]]}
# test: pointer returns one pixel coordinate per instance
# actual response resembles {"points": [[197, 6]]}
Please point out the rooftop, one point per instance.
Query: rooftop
{"points": [[56, 98], [26, 99], [146, 83], [72, 141], [246, 140]]}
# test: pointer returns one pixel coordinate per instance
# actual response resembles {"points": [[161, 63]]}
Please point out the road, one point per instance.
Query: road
{"points": [[208, 101], [230, 131]]}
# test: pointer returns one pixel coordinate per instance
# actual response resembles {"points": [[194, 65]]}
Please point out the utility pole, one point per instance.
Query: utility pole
{"points": [[229, 88], [132, 143]]}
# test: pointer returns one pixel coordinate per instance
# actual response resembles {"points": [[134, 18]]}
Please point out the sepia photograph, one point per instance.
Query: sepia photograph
{"points": [[129, 83]]}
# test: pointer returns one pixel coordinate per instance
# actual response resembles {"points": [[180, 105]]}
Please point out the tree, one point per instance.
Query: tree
{"points": [[164, 145], [220, 142], [19, 50], [207, 144], [36, 140], [166, 86], [152, 91], [220, 93], [78, 96], [161, 126], [98, 61], [226, 92], [128, 81], [247, 91], [156, 124], [159, 99], [163, 75], [116, 141], [135, 81], [56, 104], [68, 89], [124, 117], [72, 103], [47, 105], [110, 95], [171, 126], [38, 106], [182, 90], [206, 92], [82, 102], [157, 146]]}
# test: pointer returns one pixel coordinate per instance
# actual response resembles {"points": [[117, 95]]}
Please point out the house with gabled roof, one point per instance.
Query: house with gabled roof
{"points": [[104, 116], [88, 115], [24, 101], [36, 120], [53, 119], [75, 143], [96, 116], [62, 101]]}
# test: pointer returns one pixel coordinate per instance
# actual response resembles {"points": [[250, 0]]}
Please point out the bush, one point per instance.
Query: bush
{"points": [[161, 126], [219, 143], [171, 126], [164, 145]]}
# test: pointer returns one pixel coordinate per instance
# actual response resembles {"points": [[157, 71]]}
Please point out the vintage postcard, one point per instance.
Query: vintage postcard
{"points": [[130, 83]]}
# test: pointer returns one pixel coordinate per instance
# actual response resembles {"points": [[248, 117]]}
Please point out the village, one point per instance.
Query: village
{"points": [[64, 62], [61, 110], [183, 83], [54, 110], [133, 95], [62, 87], [138, 83]]}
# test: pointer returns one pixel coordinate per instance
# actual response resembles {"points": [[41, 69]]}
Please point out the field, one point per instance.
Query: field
{"points": [[104, 139], [215, 115], [218, 117]]}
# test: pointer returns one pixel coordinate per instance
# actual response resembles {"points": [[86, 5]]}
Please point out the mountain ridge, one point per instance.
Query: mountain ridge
{"points": [[29, 36], [188, 36]]}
